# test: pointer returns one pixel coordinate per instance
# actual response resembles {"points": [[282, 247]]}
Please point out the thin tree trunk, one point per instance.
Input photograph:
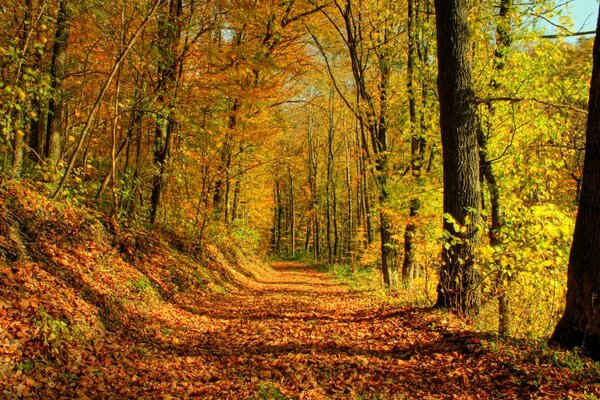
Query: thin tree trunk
{"points": [[91, 116], [350, 207], [37, 124], [503, 42], [57, 74], [409, 265], [292, 214], [329, 182]]}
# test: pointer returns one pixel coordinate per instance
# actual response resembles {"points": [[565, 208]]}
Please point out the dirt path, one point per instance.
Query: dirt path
{"points": [[300, 335]]}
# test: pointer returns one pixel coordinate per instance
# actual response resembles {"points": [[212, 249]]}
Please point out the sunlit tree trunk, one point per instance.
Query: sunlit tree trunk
{"points": [[278, 219], [329, 184], [349, 196], [292, 219], [312, 182], [458, 287], [417, 147], [503, 42], [580, 323]]}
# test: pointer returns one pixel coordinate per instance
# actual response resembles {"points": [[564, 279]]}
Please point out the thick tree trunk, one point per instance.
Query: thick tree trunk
{"points": [[580, 323], [458, 286]]}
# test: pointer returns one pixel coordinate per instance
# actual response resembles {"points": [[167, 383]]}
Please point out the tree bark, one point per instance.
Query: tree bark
{"points": [[292, 213], [57, 74], [409, 266], [170, 35], [329, 183], [580, 323], [503, 42], [458, 286], [417, 149], [350, 206]]}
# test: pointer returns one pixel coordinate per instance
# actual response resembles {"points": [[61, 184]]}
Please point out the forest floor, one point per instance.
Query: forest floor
{"points": [[298, 334], [294, 333], [91, 310]]}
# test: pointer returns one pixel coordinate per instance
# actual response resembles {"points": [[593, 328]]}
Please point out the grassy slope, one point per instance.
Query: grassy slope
{"points": [[77, 292]]}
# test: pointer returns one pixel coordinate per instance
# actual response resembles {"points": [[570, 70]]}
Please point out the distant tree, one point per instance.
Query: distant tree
{"points": [[580, 323], [457, 288]]}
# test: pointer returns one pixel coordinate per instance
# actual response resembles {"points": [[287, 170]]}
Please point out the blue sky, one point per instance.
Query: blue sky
{"points": [[585, 13]]}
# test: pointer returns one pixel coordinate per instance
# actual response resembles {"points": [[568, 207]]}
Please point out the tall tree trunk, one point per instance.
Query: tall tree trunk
{"points": [[580, 323], [37, 124], [349, 196], [312, 183], [503, 43], [57, 74], [221, 194], [19, 135], [417, 147], [237, 190], [389, 252], [278, 218], [131, 169], [409, 267], [329, 183], [458, 286], [170, 72], [292, 220]]}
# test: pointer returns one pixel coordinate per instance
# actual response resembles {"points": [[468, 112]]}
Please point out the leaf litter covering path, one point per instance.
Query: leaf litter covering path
{"points": [[297, 334]]}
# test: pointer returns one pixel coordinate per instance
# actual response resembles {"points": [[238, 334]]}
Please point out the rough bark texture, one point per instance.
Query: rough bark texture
{"points": [[458, 287], [580, 323]]}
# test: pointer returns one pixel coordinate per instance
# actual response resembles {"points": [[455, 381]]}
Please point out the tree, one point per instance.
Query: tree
{"points": [[57, 72], [169, 28], [457, 288], [369, 46], [580, 323]]}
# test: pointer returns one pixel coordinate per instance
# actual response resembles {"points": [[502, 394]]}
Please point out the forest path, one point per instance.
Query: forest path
{"points": [[298, 334]]}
